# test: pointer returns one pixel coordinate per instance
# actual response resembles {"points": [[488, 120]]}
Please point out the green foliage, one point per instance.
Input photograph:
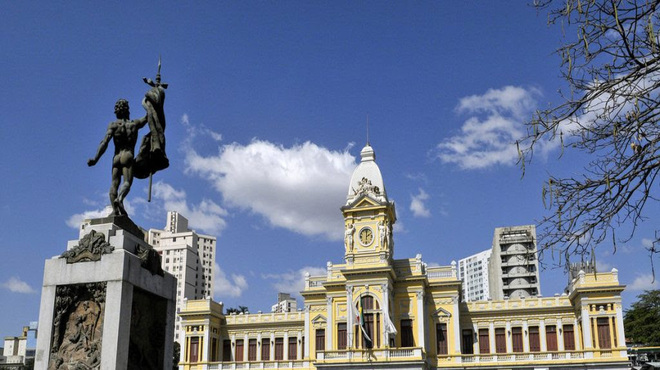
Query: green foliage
{"points": [[642, 320], [240, 309], [176, 354]]}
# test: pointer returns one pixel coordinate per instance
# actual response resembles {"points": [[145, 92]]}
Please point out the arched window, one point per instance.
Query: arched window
{"points": [[369, 322]]}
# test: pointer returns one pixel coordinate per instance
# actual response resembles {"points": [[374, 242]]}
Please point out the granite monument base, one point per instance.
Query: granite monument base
{"points": [[106, 303]]}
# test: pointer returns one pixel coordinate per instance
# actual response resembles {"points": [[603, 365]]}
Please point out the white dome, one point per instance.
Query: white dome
{"points": [[367, 177]]}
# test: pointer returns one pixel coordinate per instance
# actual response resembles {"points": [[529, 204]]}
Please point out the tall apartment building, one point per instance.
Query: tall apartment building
{"points": [[514, 269], [473, 272], [188, 256], [285, 303]]}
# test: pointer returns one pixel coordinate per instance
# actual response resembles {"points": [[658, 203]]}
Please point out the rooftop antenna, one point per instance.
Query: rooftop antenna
{"points": [[368, 129]]}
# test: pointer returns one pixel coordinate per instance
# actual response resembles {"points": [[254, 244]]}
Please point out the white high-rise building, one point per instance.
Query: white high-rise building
{"points": [[188, 256], [473, 271], [285, 303]]}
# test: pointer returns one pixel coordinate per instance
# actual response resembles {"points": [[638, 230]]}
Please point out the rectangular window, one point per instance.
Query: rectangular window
{"points": [[214, 349], [534, 340], [239, 350], [407, 339], [484, 341], [569, 338], [320, 339], [441, 338], [369, 328], [194, 349], [517, 339], [604, 332], [226, 350], [279, 349], [500, 340], [467, 342], [265, 350], [252, 350], [341, 335], [614, 331], [551, 337], [293, 349]]}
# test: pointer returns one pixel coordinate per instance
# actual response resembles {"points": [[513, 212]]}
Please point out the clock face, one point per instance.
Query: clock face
{"points": [[366, 236]]}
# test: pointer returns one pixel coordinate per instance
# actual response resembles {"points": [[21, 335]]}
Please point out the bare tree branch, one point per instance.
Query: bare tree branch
{"points": [[612, 67]]}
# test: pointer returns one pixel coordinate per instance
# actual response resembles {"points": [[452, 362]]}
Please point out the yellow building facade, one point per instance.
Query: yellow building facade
{"points": [[376, 312]]}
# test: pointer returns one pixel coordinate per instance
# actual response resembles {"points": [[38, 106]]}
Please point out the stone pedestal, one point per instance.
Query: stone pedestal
{"points": [[106, 303]]}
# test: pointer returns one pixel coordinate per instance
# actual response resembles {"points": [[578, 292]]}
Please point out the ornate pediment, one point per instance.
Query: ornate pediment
{"points": [[319, 321], [441, 314]]}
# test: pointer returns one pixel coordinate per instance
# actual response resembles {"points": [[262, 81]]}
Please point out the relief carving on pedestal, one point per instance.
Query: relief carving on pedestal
{"points": [[77, 326], [90, 248]]}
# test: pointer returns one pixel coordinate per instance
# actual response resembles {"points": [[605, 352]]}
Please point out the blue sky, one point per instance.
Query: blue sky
{"points": [[266, 115]]}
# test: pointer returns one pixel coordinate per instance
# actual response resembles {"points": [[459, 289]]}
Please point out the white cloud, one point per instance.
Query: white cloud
{"points": [[647, 243], [297, 188], [644, 282], [417, 205], [17, 285], [227, 286], [293, 282], [77, 219], [207, 216], [488, 137], [602, 266]]}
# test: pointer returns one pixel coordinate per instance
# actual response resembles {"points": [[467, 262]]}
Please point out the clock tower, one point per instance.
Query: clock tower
{"points": [[368, 216]]}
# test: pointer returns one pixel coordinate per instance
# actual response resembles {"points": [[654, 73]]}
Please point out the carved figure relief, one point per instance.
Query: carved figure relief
{"points": [[366, 188], [90, 248], [147, 338], [348, 237], [77, 326]]}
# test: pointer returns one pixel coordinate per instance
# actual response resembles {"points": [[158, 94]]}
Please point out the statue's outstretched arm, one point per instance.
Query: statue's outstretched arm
{"points": [[102, 147], [140, 122]]}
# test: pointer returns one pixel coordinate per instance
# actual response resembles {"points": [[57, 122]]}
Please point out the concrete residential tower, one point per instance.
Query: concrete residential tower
{"points": [[188, 256], [514, 266]]}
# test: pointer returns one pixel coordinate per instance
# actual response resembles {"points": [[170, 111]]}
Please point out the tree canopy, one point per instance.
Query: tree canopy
{"points": [[611, 62], [642, 320], [240, 309]]}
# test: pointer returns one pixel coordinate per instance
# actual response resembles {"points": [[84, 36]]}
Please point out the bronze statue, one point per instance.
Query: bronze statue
{"points": [[124, 132]]}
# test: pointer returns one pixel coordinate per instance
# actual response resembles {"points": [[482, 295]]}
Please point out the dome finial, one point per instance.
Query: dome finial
{"points": [[368, 129]]}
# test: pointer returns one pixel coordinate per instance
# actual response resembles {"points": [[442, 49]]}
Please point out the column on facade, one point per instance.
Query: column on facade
{"points": [[560, 335], [350, 318], [456, 326], [246, 346], [385, 307], [542, 338], [491, 337], [299, 354], [285, 355], [421, 319], [259, 344], [621, 338], [586, 328], [509, 343], [331, 324], [525, 329], [476, 349], [576, 331], [233, 347], [272, 346], [206, 344], [308, 334]]}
